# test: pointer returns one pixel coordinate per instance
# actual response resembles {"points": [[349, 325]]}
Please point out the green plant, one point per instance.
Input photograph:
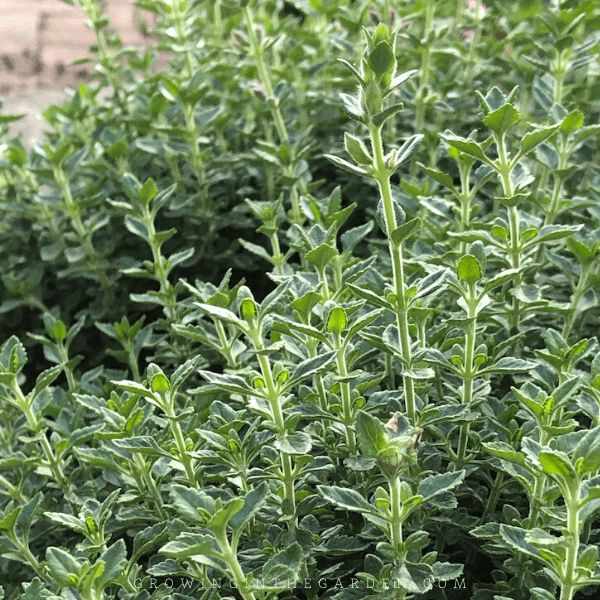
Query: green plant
{"points": [[234, 369]]}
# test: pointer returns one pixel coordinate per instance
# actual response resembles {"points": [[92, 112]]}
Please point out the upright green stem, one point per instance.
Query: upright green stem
{"points": [[504, 168], [179, 23], [421, 98], [278, 258], [177, 434], [396, 535], [347, 412], [279, 421], [579, 291], [468, 372], [35, 426], [160, 274], [490, 505], [265, 76], [235, 568], [150, 484], [383, 181], [34, 563], [273, 104], [133, 362], [569, 585], [84, 236]]}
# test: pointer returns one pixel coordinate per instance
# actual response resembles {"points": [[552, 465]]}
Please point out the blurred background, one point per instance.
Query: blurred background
{"points": [[39, 41]]}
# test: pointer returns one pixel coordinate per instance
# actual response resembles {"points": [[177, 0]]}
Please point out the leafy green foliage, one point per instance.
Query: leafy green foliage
{"points": [[283, 326]]}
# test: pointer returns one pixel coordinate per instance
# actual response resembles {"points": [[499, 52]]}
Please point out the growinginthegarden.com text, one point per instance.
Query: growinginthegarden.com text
{"points": [[307, 583]]}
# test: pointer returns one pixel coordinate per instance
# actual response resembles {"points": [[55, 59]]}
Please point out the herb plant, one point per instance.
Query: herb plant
{"points": [[302, 302]]}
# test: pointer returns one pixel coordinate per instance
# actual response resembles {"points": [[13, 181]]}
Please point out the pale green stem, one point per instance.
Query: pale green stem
{"points": [[177, 434], [347, 412], [383, 181], [468, 373], [579, 291], [569, 586], [279, 421]]}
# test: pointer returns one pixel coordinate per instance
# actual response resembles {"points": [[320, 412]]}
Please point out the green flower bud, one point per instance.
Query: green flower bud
{"points": [[160, 384]]}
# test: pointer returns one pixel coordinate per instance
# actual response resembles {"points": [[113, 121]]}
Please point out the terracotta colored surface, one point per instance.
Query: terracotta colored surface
{"points": [[39, 39]]}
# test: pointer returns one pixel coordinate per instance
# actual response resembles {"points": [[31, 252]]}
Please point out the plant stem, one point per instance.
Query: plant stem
{"points": [[184, 458], [166, 289], [12, 490], [468, 372], [347, 412], [490, 506], [514, 248], [425, 69], [569, 585], [396, 536], [383, 181], [234, 567], [273, 105], [279, 421], [579, 291], [35, 426], [150, 484]]}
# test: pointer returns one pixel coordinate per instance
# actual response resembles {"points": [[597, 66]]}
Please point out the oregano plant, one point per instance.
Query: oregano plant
{"points": [[300, 302]]}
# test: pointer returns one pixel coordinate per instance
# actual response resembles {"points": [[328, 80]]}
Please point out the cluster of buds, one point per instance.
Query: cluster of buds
{"points": [[393, 445]]}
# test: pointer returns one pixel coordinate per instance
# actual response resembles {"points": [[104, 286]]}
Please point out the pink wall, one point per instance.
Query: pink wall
{"points": [[40, 38]]}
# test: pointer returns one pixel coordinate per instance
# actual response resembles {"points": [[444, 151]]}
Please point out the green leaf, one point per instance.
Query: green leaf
{"points": [[321, 256], [188, 544], [505, 452], [148, 191], [309, 367], [556, 463], [381, 59], [58, 331], [187, 501], [516, 537], [356, 148], [588, 448], [223, 515], [536, 137], [405, 231], [466, 146], [254, 500], [572, 122], [230, 383], [438, 484], [346, 499], [283, 569], [442, 178], [133, 387], [62, 566], [499, 279], [160, 383], [298, 443], [469, 269], [66, 520], [345, 165], [415, 578], [115, 561], [509, 365], [221, 314], [46, 378], [137, 227], [405, 152], [502, 119], [370, 433]]}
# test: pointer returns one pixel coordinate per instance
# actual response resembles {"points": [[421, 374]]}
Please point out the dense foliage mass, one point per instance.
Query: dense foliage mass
{"points": [[279, 325]]}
